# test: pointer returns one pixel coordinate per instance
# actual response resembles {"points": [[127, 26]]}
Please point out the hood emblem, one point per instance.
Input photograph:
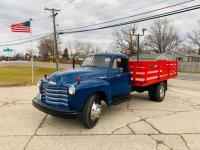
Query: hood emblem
{"points": [[52, 83]]}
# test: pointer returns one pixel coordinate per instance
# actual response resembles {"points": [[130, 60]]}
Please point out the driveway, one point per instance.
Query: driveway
{"points": [[137, 124]]}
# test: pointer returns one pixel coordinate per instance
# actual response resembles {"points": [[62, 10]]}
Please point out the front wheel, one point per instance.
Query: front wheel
{"points": [[91, 111]]}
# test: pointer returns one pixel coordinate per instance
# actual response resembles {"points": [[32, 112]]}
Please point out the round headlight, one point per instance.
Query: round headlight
{"points": [[39, 83], [71, 90]]}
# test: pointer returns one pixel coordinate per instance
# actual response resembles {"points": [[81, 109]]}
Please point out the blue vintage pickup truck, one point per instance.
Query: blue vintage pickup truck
{"points": [[101, 77]]}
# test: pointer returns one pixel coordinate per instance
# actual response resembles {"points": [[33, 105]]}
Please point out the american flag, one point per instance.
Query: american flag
{"points": [[21, 27]]}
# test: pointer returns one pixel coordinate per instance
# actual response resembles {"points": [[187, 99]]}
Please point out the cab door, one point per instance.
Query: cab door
{"points": [[119, 77]]}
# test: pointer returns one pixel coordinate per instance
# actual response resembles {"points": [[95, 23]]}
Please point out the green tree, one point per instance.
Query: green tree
{"points": [[66, 53]]}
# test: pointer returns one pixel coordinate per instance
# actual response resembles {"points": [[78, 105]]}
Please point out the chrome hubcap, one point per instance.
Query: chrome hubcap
{"points": [[95, 111], [162, 91]]}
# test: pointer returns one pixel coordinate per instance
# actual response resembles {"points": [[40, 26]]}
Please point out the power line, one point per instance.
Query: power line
{"points": [[122, 18], [39, 35], [26, 41], [135, 9], [138, 20], [96, 23], [114, 25]]}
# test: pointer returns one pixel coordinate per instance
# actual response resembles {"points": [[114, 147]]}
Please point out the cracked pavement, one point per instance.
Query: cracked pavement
{"points": [[138, 123]]}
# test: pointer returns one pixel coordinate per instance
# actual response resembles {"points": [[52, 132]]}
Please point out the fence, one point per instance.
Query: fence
{"points": [[191, 67]]}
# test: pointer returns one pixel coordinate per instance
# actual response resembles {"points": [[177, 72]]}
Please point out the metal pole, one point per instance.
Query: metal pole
{"points": [[32, 69], [73, 61], [138, 47], [54, 13], [138, 43]]}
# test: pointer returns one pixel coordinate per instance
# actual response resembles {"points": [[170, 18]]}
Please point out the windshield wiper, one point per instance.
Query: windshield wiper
{"points": [[94, 66], [86, 66], [99, 66]]}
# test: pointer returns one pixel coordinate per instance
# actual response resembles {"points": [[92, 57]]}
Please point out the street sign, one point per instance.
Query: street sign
{"points": [[8, 50]]}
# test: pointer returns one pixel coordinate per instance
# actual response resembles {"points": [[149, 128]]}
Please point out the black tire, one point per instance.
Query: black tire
{"points": [[159, 91], [151, 93], [86, 118]]}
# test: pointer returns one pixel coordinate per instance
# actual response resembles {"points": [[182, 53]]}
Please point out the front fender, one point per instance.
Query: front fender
{"points": [[84, 89]]}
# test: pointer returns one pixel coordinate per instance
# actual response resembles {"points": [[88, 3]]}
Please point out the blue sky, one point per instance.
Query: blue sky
{"points": [[83, 12]]}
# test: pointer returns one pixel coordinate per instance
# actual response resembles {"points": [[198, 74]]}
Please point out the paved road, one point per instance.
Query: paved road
{"points": [[137, 124], [39, 64], [189, 76]]}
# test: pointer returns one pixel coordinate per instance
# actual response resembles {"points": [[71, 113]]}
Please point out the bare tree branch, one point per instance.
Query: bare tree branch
{"points": [[194, 38], [46, 48], [163, 36], [125, 40], [82, 47]]}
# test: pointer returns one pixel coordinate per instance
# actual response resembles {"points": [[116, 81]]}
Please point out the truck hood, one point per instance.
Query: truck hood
{"points": [[62, 78]]}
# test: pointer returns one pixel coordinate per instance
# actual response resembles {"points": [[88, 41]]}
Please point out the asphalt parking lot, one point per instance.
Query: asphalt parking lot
{"points": [[137, 124]]}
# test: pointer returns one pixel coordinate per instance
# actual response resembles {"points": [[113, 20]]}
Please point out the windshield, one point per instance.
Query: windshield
{"points": [[96, 61]]}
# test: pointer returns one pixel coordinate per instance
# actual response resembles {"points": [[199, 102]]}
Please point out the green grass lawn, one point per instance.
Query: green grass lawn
{"points": [[21, 75]]}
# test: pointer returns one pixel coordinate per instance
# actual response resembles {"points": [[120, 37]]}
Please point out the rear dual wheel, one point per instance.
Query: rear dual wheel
{"points": [[157, 92]]}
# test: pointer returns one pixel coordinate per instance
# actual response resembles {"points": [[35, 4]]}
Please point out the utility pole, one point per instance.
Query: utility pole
{"points": [[54, 14], [138, 43]]}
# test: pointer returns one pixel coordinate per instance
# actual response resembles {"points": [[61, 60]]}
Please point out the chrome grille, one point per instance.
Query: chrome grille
{"points": [[54, 95]]}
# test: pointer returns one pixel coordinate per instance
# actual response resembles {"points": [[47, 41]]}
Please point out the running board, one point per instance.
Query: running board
{"points": [[119, 99]]}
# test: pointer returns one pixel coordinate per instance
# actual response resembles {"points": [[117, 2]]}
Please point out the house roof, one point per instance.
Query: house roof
{"points": [[183, 54], [149, 56], [169, 56], [155, 56]]}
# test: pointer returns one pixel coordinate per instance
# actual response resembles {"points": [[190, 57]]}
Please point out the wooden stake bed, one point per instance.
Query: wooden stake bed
{"points": [[144, 73]]}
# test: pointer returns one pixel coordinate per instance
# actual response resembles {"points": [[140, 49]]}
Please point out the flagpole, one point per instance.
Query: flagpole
{"points": [[31, 50]]}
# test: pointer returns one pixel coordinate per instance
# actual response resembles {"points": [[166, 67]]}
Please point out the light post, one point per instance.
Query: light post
{"points": [[138, 43]]}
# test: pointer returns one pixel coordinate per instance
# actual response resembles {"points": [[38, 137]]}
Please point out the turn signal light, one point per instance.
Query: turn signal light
{"points": [[78, 80]]}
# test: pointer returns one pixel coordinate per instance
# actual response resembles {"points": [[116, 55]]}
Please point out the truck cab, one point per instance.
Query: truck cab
{"points": [[101, 77]]}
